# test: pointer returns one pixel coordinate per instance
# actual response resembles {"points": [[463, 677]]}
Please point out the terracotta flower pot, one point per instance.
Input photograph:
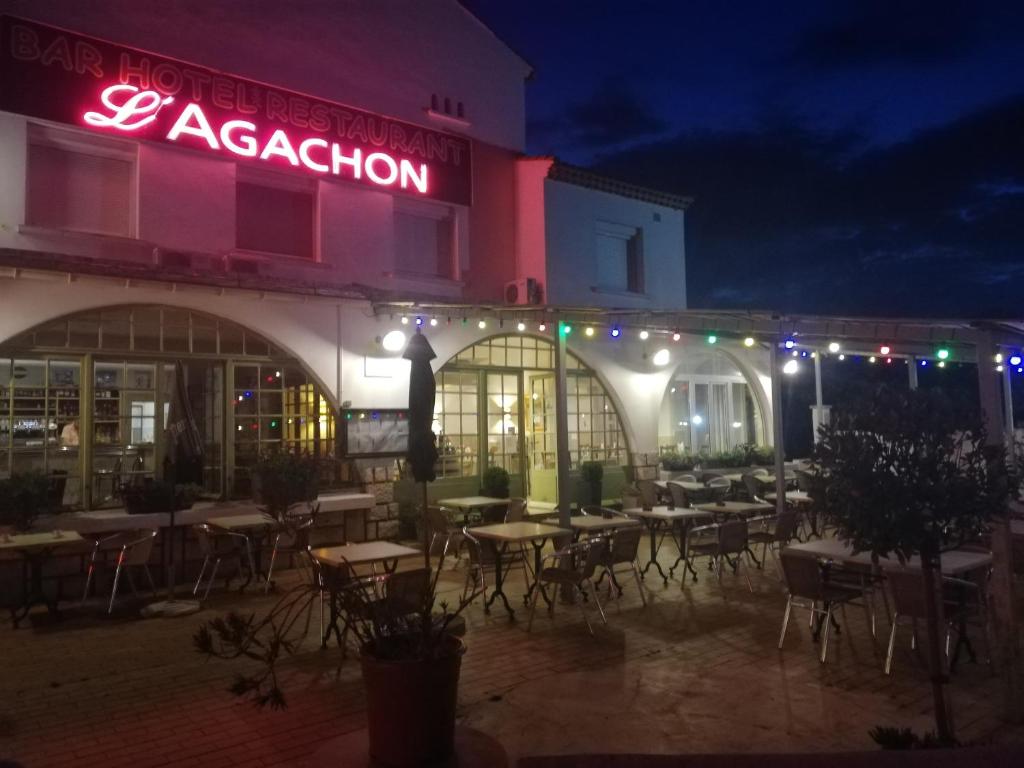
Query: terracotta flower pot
{"points": [[411, 707]]}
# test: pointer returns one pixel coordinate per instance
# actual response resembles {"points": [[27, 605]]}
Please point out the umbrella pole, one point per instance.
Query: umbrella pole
{"points": [[426, 530]]}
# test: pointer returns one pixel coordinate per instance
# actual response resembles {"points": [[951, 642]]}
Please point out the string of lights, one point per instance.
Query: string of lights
{"points": [[886, 354]]}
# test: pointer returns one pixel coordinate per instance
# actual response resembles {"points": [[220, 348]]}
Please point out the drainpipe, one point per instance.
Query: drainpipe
{"points": [[912, 373], [780, 451], [561, 428]]}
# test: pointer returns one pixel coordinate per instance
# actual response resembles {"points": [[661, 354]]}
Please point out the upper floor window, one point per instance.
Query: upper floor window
{"points": [[425, 239], [275, 214], [620, 258], [80, 183]]}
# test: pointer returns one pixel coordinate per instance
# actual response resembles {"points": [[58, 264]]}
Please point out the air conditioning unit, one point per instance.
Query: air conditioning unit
{"points": [[524, 291], [186, 261]]}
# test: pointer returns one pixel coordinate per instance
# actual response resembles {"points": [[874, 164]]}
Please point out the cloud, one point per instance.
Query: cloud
{"points": [[871, 32], [611, 116], [791, 219]]}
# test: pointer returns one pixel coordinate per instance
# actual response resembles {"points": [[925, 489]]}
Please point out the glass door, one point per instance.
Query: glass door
{"points": [[124, 421]]}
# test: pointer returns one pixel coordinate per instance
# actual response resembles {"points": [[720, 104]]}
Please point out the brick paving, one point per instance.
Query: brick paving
{"points": [[697, 670]]}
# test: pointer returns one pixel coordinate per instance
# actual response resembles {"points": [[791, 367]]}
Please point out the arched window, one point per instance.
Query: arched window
{"points": [[496, 407], [85, 398]]}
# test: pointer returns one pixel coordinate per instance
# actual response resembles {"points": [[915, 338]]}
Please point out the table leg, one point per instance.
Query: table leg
{"points": [[499, 581], [681, 546], [652, 527], [32, 589], [538, 561]]}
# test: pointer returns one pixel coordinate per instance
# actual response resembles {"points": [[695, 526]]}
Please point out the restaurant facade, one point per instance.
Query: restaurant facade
{"points": [[261, 212]]}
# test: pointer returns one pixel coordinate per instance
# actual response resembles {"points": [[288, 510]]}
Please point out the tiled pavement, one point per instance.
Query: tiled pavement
{"points": [[695, 671]]}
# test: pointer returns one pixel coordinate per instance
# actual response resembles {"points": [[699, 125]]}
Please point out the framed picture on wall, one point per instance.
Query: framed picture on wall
{"points": [[375, 432]]}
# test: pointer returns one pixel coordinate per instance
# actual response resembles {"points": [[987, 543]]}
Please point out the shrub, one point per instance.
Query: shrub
{"points": [[23, 497], [674, 461], [281, 480], [159, 496], [495, 483]]}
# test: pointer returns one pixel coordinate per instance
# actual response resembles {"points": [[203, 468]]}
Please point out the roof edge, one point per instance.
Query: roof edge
{"points": [[581, 177]]}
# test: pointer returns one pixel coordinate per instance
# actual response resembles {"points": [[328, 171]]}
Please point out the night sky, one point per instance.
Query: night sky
{"points": [[846, 157]]}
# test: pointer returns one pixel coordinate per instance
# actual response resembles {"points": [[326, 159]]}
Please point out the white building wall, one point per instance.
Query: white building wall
{"points": [[572, 214]]}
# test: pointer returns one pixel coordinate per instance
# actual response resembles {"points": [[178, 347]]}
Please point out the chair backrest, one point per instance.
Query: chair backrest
{"points": [[479, 555], [138, 548], [625, 544], [803, 480], [719, 482], [679, 497], [759, 472], [786, 524], [516, 511], [648, 493], [494, 514], [595, 551], [732, 537], [437, 521], [907, 589], [803, 576], [753, 486], [687, 479], [204, 538], [407, 591]]}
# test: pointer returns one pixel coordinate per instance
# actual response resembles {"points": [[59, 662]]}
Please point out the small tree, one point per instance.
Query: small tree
{"points": [[906, 473]]}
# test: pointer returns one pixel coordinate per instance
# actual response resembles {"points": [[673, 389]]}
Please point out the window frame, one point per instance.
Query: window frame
{"points": [[84, 143], [633, 238], [438, 212], [288, 183]]}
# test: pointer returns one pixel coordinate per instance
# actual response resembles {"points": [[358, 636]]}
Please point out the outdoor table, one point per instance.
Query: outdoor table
{"points": [[792, 497], [653, 520], [35, 549], [955, 562], [500, 536], [687, 485], [727, 509], [469, 504], [367, 553], [254, 527]]}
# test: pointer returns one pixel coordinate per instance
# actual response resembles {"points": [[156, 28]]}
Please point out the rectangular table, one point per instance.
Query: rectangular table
{"points": [[500, 536], [954, 563], [655, 519], [35, 549], [688, 486], [737, 508], [366, 553], [794, 497]]}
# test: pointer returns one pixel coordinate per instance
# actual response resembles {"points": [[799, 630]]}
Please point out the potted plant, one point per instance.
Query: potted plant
{"points": [[495, 483], [410, 659], [23, 497], [674, 461], [159, 496], [281, 480], [903, 473], [592, 473]]}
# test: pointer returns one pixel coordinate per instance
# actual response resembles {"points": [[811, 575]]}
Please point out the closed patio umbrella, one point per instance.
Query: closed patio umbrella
{"points": [[184, 458], [422, 456]]}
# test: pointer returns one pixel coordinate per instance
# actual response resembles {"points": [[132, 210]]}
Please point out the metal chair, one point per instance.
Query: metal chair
{"points": [[686, 479], [594, 510], [516, 512], [296, 528], [443, 532], [573, 567], [754, 485], [772, 532], [910, 603], [623, 551], [806, 580], [648, 493], [207, 537], [718, 541], [133, 551], [719, 488], [481, 561], [679, 498]]}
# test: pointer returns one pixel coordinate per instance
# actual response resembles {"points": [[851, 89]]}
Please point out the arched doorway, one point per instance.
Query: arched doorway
{"points": [[710, 406], [496, 407], [86, 398]]}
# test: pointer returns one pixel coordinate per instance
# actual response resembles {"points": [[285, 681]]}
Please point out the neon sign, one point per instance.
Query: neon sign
{"points": [[56, 75]]}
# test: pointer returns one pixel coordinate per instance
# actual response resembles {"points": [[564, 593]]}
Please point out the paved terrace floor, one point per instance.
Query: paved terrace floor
{"points": [[697, 670]]}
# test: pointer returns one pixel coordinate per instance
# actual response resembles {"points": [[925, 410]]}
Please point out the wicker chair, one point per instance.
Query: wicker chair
{"points": [[623, 551], [772, 532], [648, 493], [680, 499], [806, 581], [572, 566]]}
